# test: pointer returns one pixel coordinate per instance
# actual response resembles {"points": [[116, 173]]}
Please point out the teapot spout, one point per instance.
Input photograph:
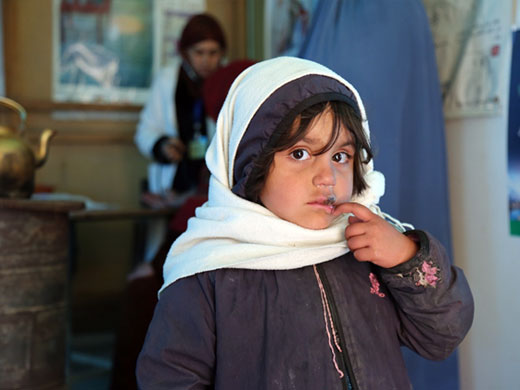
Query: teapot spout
{"points": [[41, 157]]}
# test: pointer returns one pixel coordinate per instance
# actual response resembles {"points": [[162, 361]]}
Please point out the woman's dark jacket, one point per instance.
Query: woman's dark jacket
{"points": [[251, 330]]}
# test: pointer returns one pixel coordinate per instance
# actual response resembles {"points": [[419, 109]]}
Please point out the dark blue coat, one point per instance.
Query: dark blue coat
{"points": [[250, 330]]}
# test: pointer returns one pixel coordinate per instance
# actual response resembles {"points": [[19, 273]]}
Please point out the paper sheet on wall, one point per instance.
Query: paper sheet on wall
{"points": [[514, 138], [469, 37]]}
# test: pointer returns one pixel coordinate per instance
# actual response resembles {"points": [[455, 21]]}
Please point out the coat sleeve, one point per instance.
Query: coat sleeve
{"points": [[179, 349], [157, 118], [433, 299]]}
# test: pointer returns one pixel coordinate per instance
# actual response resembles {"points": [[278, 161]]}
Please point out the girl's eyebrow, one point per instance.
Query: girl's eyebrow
{"points": [[309, 140], [314, 141], [348, 143]]}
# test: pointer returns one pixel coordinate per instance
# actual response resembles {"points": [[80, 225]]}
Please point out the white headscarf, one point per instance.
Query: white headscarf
{"points": [[231, 232]]}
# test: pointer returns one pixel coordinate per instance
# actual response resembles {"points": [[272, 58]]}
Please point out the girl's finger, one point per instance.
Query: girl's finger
{"points": [[355, 229], [357, 242], [353, 219], [363, 254], [357, 209]]}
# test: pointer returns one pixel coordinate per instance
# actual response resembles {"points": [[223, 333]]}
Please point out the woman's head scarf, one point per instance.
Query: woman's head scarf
{"points": [[200, 28]]}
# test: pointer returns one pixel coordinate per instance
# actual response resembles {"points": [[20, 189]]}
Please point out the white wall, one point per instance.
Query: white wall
{"points": [[477, 162]]}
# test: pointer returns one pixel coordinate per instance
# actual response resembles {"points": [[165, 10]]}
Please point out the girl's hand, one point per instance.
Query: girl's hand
{"points": [[371, 238]]}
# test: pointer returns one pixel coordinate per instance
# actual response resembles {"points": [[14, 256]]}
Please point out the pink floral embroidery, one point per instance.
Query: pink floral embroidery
{"points": [[427, 275], [375, 286]]}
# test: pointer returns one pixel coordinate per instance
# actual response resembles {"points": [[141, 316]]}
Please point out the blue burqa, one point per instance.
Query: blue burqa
{"points": [[385, 49]]}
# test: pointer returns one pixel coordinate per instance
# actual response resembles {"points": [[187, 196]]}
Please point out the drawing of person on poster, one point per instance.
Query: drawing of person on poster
{"points": [[514, 138]]}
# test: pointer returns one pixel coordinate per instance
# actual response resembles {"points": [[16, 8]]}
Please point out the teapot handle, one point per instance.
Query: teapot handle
{"points": [[16, 107]]}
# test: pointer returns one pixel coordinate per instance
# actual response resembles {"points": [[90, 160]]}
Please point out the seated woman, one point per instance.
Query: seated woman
{"points": [[171, 130]]}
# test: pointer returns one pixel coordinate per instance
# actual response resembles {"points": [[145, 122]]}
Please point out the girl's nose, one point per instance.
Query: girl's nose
{"points": [[325, 174]]}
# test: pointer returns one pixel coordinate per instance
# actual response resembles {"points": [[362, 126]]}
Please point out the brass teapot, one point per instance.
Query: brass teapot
{"points": [[18, 161]]}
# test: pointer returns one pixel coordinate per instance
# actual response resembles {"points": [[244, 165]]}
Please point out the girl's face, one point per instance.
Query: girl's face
{"points": [[204, 57], [303, 187]]}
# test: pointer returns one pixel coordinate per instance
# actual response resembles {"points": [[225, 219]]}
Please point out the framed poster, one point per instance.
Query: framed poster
{"points": [[106, 51], [102, 50]]}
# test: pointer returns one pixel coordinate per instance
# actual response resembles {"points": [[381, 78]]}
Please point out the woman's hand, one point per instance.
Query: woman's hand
{"points": [[173, 149], [371, 238]]}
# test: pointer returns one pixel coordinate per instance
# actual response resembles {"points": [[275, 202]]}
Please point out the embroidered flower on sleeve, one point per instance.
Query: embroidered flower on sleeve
{"points": [[375, 286], [427, 275]]}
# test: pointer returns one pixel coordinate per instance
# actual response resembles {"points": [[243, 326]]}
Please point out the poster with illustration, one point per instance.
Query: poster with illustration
{"points": [[106, 51], [514, 138], [469, 38], [102, 50]]}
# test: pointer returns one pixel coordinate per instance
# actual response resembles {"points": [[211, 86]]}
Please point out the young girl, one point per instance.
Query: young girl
{"points": [[289, 277]]}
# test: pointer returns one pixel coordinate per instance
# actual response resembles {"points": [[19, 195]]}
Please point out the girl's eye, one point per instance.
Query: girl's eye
{"points": [[300, 154], [341, 157]]}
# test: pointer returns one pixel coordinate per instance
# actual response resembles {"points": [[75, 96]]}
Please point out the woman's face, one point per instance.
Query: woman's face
{"points": [[204, 57]]}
